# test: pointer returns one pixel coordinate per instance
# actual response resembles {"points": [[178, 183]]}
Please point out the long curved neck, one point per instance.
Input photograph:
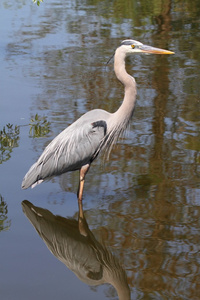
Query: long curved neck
{"points": [[127, 107], [118, 121]]}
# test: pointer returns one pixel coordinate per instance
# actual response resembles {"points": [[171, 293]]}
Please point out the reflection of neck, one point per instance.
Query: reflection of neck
{"points": [[123, 291], [115, 275], [113, 272]]}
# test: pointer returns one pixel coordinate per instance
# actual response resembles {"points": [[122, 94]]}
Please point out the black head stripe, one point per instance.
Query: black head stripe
{"points": [[127, 42]]}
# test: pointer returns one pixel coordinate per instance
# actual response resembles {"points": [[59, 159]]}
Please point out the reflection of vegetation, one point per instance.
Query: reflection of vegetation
{"points": [[9, 135], [9, 138], [4, 222], [37, 1], [39, 126]]}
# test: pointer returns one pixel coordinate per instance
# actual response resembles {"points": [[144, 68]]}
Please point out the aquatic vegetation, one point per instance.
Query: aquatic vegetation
{"points": [[39, 126], [9, 138]]}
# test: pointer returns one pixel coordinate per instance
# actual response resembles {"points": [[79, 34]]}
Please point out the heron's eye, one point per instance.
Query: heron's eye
{"points": [[132, 46]]}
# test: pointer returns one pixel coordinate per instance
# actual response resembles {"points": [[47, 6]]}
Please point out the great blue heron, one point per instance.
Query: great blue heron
{"points": [[78, 145]]}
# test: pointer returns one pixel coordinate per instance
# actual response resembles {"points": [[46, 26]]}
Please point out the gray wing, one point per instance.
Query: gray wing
{"points": [[77, 145]]}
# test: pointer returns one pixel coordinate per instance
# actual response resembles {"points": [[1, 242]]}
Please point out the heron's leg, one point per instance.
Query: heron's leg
{"points": [[82, 224], [83, 172]]}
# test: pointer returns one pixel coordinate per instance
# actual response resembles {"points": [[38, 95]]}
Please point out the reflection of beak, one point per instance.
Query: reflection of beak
{"points": [[153, 50]]}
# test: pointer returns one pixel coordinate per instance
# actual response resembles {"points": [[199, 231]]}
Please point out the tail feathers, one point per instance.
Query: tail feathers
{"points": [[32, 177]]}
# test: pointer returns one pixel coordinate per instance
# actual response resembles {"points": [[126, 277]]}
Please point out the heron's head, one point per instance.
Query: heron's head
{"points": [[132, 46]]}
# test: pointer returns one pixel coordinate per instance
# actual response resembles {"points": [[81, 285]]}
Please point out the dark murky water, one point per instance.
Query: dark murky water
{"points": [[142, 208]]}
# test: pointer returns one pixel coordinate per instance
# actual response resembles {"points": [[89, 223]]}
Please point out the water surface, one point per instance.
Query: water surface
{"points": [[143, 206]]}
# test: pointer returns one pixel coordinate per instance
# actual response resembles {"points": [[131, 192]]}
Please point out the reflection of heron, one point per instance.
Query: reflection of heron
{"points": [[78, 145], [74, 244]]}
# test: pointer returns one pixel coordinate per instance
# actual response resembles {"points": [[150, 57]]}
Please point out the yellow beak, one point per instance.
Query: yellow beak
{"points": [[153, 50]]}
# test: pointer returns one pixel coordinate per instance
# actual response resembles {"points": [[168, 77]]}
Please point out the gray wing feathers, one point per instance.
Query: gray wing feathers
{"points": [[74, 147]]}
